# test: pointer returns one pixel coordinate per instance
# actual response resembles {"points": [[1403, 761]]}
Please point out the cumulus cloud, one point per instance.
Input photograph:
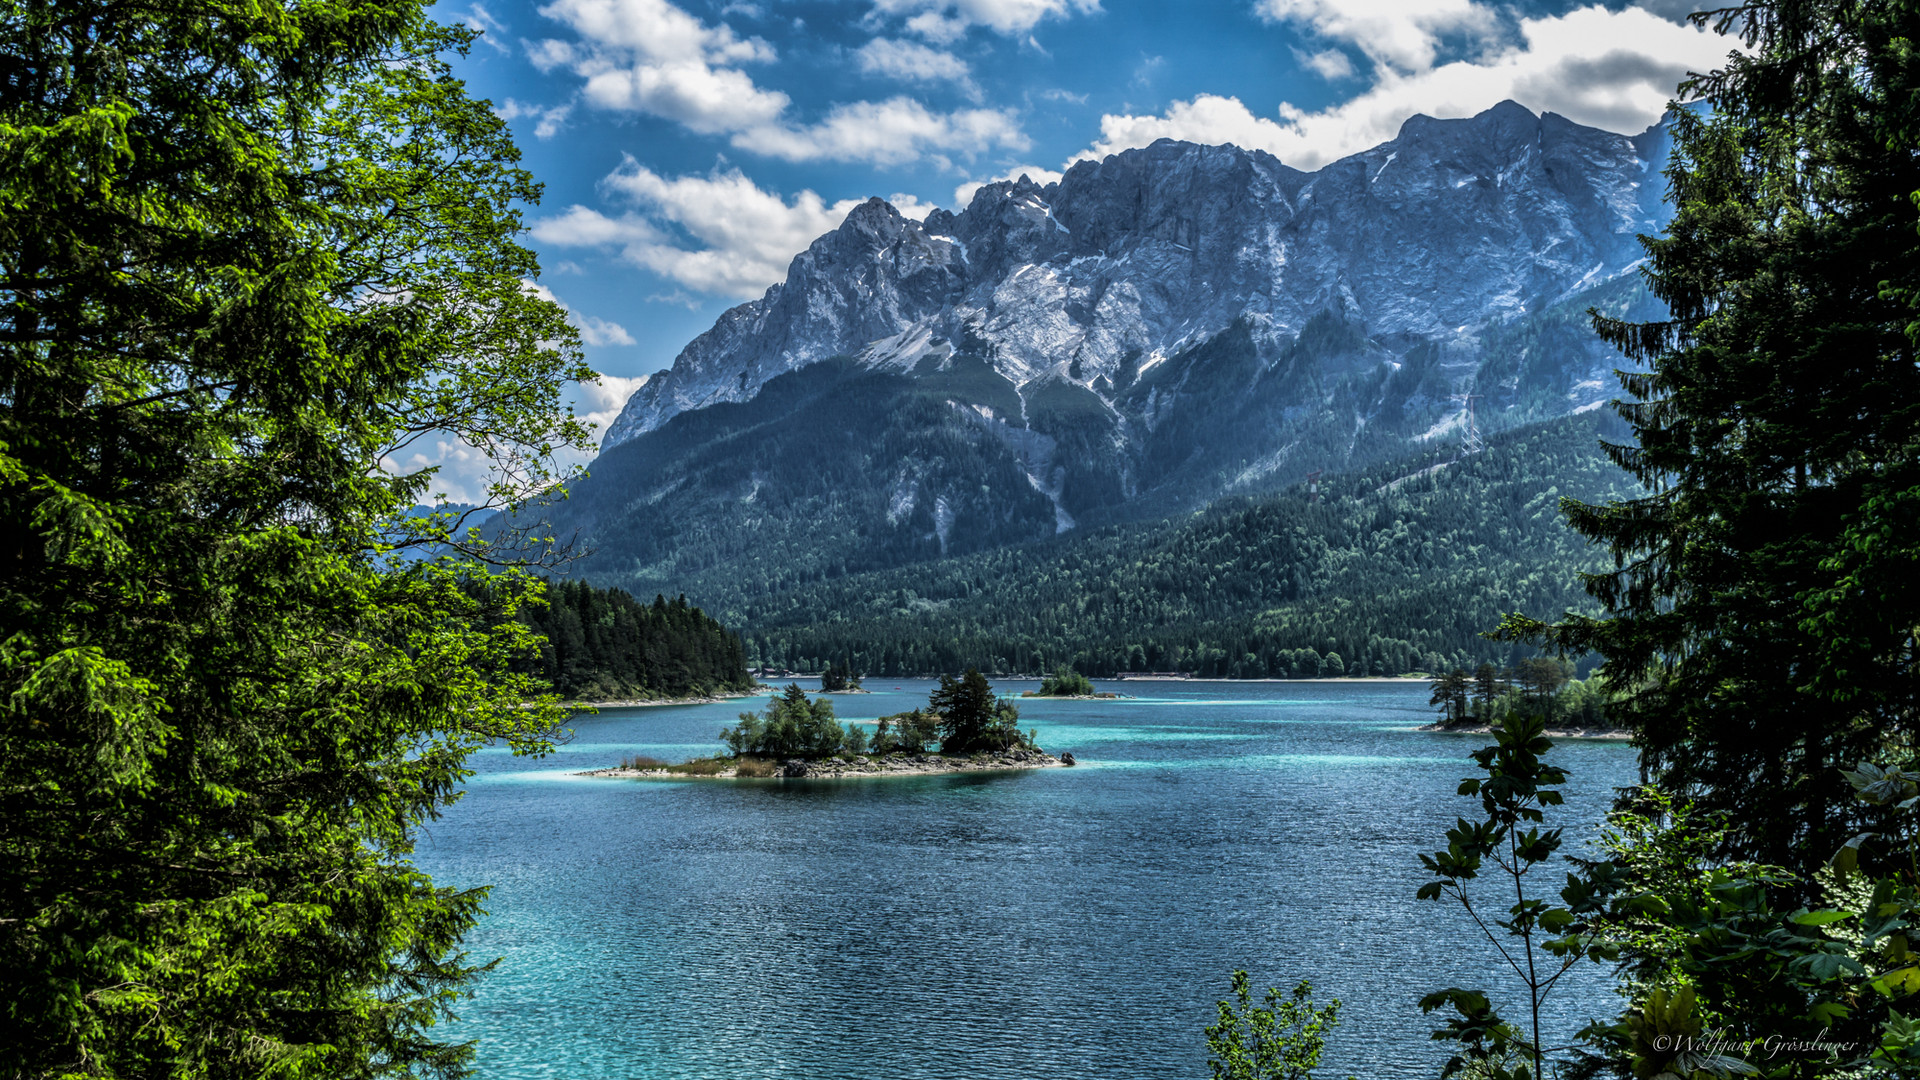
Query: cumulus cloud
{"points": [[1393, 33], [719, 234], [490, 29], [548, 119], [600, 400], [1330, 64], [461, 475], [963, 195], [891, 132], [946, 20], [649, 56], [1609, 69], [910, 61], [593, 330]]}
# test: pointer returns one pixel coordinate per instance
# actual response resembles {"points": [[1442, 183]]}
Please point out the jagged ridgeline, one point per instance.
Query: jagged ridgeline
{"points": [[1381, 571], [602, 645], [1160, 329]]}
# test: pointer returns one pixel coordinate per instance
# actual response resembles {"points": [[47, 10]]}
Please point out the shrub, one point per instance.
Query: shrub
{"points": [[754, 768], [1065, 682], [641, 761]]}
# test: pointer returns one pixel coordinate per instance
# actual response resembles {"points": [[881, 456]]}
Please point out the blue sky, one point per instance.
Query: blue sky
{"points": [[690, 148]]}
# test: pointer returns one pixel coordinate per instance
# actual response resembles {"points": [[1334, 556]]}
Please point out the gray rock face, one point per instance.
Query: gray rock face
{"points": [[1451, 229]]}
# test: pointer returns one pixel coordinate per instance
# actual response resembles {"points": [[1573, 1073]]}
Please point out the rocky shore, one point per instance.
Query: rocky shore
{"points": [[837, 768]]}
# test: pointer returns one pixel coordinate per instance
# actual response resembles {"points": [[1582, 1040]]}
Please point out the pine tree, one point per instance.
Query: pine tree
{"points": [[249, 252], [1767, 589]]}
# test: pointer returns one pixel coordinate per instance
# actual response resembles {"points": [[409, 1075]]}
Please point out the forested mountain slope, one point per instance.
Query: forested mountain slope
{"points": [[1388, 570]]}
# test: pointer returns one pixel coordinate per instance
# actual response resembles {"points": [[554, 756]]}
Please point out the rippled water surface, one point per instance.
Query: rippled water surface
{"points": [[1063, 923]]}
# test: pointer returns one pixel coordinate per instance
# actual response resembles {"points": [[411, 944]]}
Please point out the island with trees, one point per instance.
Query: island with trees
{"points": [[1539, 687], [1068, 683], [964, 727]]}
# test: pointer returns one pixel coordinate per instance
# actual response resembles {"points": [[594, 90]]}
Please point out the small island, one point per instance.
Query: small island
{"points": [[1540, 686], [1067, 683], [799, 738]]}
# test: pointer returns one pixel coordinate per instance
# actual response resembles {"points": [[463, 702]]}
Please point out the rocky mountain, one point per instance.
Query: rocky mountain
{"points": [[1154, 330]]}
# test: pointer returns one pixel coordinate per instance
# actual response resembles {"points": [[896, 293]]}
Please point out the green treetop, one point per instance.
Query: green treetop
{"points": [[1066, 682], [252, 256], [972, 719], [794, 727]]}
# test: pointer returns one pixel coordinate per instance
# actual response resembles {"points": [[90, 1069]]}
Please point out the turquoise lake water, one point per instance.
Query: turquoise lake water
{"points": [[1049, 924]]}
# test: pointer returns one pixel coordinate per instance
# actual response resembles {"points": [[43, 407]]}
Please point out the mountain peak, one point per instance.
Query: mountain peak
{"points": [[1451, 227]]}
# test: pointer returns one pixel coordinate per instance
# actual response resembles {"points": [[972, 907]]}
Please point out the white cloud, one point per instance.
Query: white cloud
{"points": [[708, 100], [654, 30], [912, 62], [891, 132], [463, 472], [548, 120], [718, 234], [593, 330], [937, 28], [650, 56], [1397, 34], [599, 402], [1329, 64], [491, 31], [580, 226], [945, 20], [911, 207], [963, 195], [1606, 69]]}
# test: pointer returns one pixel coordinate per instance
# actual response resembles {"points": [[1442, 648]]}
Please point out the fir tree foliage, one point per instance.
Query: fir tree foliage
{"points": [[793, 727], [602, 644], [250, 256], [1766, 589], [972, 719]]}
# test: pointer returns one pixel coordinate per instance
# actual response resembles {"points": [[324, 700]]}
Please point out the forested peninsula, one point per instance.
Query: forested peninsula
{"points": [[603, 645]]}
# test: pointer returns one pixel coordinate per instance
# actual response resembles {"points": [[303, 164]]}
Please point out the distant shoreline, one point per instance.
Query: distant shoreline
{"points": [[765, 688], [1598, 734], [704, 699], [1211, 678]]}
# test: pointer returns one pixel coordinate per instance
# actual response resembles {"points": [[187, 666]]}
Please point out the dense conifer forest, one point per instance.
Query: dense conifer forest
{"points": [[602, 644], [1390, 570]]}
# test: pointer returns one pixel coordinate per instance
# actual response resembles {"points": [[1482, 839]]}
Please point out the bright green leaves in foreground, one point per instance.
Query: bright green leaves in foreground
{"points": [[1723, 973], [1278, 1040], [256, 264]]}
